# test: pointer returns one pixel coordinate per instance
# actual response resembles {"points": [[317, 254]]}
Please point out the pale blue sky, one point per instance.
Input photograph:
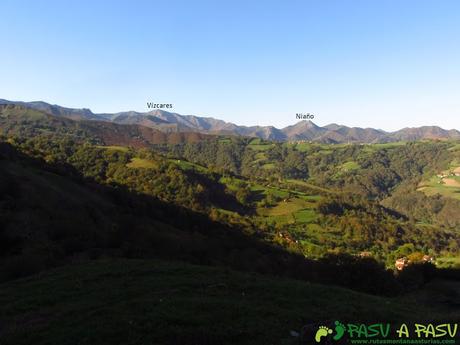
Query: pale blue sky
{"points": [[385, 64]]}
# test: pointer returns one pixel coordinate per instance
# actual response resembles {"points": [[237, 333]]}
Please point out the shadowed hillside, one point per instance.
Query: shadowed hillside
{"points": [[143, 302]]}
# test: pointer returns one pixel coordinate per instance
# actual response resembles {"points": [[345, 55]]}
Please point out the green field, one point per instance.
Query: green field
{"points": [[260, 156], [349, 166], [303, 147], [292, 207], [456, 147], [263, 147], [115, 148], [185, 165], [313, 146], [225, 140], [269, 166], [448, 262], [153, 302], [388, 145], [294, 210], [346, 168], [258, 145], [140, 163], [374, 147], [309, 185], [435, 186], [279, 193], [305, 216]]}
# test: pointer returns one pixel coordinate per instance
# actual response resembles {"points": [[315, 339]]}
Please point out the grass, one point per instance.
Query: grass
{"points": [[287, 207], [281, 209], [115, 148], [349, 166], [433, 186], [279, 193], [260, 156], [269, 166], [303, 147], [257, 145], [323, 148], [295, 210], [306, 216], [312, 198], [140, 163], [298, 209], [389, 145], [374, 147], [185, 165], [456, 147], [346, 168], [153, 302], [232, 182], [255, 141], [263, 147], [448, 262], [309, 185]]}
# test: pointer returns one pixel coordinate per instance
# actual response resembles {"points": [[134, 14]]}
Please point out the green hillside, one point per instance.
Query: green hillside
{"points": [[155, 302]]}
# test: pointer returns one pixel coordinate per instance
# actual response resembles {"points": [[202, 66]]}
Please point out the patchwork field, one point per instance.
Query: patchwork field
{"points": [[295, 210], [446, 183], [289, 206]]}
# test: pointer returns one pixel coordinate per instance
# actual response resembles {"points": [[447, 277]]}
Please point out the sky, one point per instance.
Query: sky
{"points": [[381, 63]]}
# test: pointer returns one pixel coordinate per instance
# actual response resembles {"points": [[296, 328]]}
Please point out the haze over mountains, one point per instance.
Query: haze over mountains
{"points": [[304, 130]]}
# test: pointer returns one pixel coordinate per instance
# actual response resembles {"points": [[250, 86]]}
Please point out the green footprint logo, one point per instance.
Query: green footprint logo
{"points": [[339, 330], [322, 332]]}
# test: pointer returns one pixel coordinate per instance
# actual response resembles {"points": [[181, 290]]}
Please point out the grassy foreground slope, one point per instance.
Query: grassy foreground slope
{"points": [[155, 302]]}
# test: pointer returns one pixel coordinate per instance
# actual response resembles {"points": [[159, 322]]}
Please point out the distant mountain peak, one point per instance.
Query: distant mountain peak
{"points": [[306, 123], [333, 126]]}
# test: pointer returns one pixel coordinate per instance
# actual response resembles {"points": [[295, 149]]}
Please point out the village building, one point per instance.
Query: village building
{"points": [[401, 263], [428, 259]]}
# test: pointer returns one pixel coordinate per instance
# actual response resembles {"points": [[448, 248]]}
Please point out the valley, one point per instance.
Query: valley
{"points": [[230, 173], [330, 220]]}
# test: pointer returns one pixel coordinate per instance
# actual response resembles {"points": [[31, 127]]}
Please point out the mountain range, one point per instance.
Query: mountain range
{"points": [[25, 122], [169, 122]]}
